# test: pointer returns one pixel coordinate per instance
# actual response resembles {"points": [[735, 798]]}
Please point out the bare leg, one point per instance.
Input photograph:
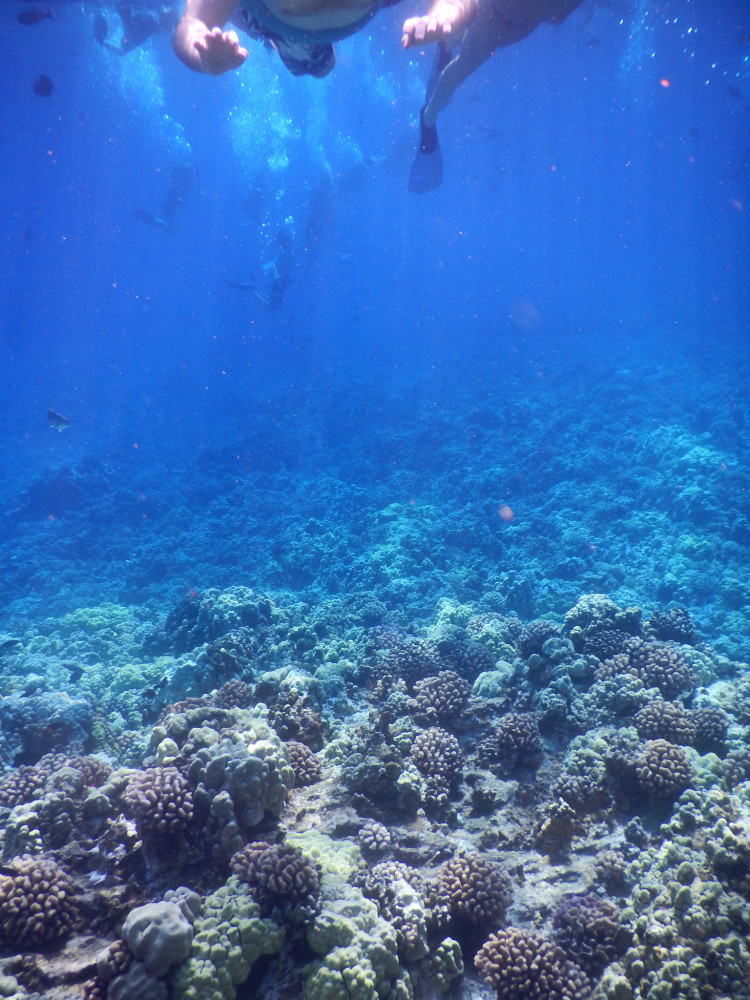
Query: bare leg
{"points": [[486, 33]]}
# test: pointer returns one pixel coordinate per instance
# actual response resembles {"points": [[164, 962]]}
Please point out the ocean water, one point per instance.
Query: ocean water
{"points": [[451, 489]]}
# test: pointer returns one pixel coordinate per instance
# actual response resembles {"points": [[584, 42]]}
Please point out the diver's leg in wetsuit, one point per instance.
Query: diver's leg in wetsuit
{"points": [[486, 33], [427, 167]]}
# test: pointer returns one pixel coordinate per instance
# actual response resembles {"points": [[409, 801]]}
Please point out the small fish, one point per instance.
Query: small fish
{"points": [[76, 671], [140, 215], [33, 16], [56, 420], [43, 86]]}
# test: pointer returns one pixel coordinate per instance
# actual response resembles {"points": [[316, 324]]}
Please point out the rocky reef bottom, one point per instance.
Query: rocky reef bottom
{"points": [[244, 799]]}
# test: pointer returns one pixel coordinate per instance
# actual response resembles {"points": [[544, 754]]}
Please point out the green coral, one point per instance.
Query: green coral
{"points": [[495, 632], [22, 834], [436, 971], [586, 757], [448, 613], [337, 860], [359, 949], [340, 746], [705, 664], [689, 920], [494, 683], [10, 988], [232, 608], [237, 780], [107, 633], [229, 937]]}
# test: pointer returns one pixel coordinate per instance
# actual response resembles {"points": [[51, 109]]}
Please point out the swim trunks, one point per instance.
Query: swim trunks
{"points": [[303, 52]]}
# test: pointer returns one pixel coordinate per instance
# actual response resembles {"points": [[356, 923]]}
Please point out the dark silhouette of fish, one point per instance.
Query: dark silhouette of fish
{"points": [[56, 420], [43, 86], [76, 671], [141, 215], [33, 16]]}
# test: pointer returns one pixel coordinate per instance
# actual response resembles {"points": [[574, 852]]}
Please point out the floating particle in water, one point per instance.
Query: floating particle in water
{"points": [[505, 513], [43, 86]]}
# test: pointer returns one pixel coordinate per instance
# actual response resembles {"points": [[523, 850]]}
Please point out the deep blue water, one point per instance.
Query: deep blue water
{"points": [[371, 519], [562, 327]]}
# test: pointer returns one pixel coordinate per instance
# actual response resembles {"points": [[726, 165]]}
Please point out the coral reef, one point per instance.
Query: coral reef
{"points": [[521, 965], [663, 769], [229, 937], [476, 891], [589, 931], [655, 663], [305, 764], [442, 698], [611, 869], [673, 625], [359, 953], [374, 810], [666, 720], [374, 837], [37, 902], [281, 879], [438, 757], [711, 725], [160, 800], [515, 740]]}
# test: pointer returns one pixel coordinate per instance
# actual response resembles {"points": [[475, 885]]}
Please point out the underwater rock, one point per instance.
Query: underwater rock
{"points": [[159, 935]]}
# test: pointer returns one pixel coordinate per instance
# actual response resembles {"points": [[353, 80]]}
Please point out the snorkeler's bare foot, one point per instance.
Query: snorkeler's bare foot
{"points": [[219, 51], [449, 17]]}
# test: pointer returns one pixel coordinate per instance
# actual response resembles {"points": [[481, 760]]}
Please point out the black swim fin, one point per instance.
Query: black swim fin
{"points": [[427, 167]]}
